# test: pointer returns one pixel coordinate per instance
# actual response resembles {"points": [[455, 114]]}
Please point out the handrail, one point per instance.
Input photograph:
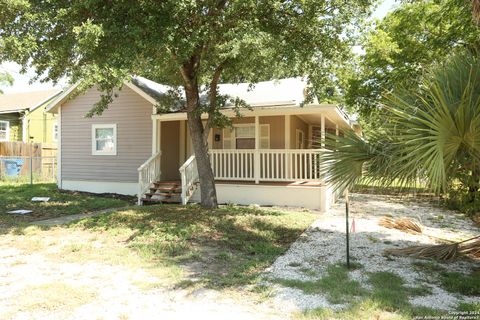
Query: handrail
{"points": [[149, 160], [189, 176], [148, 173], [266, 164], [187, 163]]}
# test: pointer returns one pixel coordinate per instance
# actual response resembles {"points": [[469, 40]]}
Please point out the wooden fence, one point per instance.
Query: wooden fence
{"points": [[28, 149], [38, 160]]}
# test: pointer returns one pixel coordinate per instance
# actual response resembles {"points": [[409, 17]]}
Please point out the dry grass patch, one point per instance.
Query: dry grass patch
{"points": [[55, 296]]}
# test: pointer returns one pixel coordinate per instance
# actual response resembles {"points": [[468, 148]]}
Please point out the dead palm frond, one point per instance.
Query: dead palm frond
{"points": [[403, 224], [443, 252]]}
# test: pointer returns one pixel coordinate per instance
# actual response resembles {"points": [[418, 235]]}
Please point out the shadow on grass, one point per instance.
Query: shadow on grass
{"points": [[229, 246], [18, 196]]}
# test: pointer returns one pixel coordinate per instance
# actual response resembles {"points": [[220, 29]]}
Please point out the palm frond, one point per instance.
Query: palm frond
{"points": [[429, 133]]}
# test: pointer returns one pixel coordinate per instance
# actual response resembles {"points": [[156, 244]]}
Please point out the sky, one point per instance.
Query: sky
{"points": [[22, 81]]}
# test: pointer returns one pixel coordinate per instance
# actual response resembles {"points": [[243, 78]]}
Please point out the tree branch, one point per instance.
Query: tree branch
{"points": [[213, 98]]}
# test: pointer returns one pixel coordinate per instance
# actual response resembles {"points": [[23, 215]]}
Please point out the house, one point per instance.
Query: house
{"points": [[269, 157], [23, 117]]}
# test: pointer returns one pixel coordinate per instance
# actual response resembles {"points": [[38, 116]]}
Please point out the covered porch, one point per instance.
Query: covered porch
{"points": [[268, 153]]}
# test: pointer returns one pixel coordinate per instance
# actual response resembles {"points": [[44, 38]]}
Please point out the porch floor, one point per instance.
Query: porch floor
{"points": [[300, 183]]}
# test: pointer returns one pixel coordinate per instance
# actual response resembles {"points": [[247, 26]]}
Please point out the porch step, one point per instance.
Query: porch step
{"points": [[163, 192], [158, 201]]}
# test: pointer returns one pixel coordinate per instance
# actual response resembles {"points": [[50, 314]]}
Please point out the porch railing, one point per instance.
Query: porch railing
{"points": [[189, 176], [148, 173], [266, 164]]}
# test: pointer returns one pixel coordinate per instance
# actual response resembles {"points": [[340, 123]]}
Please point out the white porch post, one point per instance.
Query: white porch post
{"points": [[288, 168], [322, 128], [256, 160], [336, 130], [181, 138], [154, 135]]}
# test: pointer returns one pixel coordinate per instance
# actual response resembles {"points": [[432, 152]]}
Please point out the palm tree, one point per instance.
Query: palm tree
{"points": [[431, 133]]}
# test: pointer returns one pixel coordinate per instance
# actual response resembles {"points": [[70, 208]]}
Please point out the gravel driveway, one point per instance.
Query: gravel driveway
{"points": [[323, 245]]}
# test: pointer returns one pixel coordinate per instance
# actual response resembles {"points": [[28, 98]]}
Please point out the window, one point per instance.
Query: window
{"points": [[104, 139], [4, 130], [243, 137], [55, 132]]}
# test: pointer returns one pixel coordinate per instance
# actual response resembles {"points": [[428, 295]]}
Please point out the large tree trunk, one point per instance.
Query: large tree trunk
{"points": [[200, 147]]}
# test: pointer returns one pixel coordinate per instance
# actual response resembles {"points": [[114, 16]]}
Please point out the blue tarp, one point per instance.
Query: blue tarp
{"points": [[13, 166]]}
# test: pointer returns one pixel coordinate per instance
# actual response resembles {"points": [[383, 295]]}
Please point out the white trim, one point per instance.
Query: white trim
{"points": [[59, 149], [7, 130], [140, 92], [154, 135], [322, 131], [260, 111], [96, 152], [159, 136], [181, 144], [126, 188], [51, 107]]}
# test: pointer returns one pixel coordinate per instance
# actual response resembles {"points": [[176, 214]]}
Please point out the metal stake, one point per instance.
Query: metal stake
{"points": [[31, 169], [347, 209]]}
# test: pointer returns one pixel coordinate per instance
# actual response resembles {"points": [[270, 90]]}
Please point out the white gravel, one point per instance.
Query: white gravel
{"points": [[323, 244]]}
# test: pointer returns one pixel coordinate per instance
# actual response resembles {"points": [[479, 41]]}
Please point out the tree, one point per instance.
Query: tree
{"points": [[195, 44], [433, 134], [402, 46], [5, 79]]}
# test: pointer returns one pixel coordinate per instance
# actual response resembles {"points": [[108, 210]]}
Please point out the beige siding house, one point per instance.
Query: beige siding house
{"points": [[270, 156]]}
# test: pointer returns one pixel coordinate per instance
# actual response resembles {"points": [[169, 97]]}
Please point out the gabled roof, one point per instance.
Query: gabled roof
{"points": [[267, 93], [18, 102]]}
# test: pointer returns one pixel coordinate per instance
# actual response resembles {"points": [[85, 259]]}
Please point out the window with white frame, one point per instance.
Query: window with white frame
{"points": [[55, 132], [104, 139], [4, 130], [243, 137]]}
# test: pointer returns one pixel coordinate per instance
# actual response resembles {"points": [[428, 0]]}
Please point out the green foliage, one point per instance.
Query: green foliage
{"points": [[463, 284], [399, 48], [388, 298], [178, 42], [432, 134], [5, 79], [336, 285]]}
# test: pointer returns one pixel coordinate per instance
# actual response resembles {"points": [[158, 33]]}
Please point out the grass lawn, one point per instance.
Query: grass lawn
{"points": [[145, 251], [219, 248], [18, 196]]}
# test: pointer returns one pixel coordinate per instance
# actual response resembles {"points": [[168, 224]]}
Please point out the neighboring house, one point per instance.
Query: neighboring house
{"points": [[23, 117], [269, 158]]}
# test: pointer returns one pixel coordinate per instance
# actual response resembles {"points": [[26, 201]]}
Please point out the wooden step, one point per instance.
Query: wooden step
{"points": [[153, 200], [167, 183], [166, 190], [163, 194]]}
